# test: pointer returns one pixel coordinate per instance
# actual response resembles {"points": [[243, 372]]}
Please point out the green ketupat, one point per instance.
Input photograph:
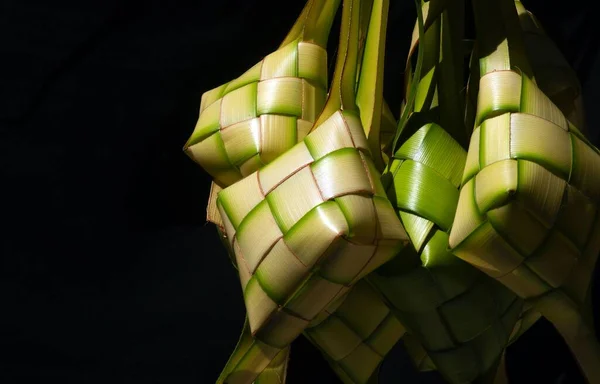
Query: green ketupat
{"points": [[463, 318], [304, 231], [248, 122], [528, 208]]}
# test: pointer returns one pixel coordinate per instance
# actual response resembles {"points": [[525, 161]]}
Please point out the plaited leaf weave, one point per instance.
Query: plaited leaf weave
{"points": [[535, 228], [249, 121]]}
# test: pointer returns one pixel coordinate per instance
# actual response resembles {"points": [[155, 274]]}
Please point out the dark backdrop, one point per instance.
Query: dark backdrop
{"points": [[108, 272]]}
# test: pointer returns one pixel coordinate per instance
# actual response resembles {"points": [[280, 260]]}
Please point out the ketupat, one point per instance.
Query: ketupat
{"points": [[347, 220], [527, 212], [248, 122]]}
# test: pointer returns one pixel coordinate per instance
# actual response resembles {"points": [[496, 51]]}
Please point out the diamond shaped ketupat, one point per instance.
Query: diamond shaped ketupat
{"points": [[308, 226], [527, 212], [248, 122]]}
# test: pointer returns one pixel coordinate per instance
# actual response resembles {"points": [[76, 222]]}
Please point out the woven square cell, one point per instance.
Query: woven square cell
{"points": [[528, 208], [308, 226], [251, 120], [356, 333], [462, 317]]}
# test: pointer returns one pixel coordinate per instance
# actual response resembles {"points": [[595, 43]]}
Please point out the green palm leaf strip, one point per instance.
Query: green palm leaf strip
{"points": [[389, 125], [472, 91], [248, 122], [303, 233], [408, 105], [369, 95], [420, 96], [528, 208]]}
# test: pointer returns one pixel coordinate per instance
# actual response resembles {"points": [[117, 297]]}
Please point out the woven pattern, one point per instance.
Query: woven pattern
{"points": [[462, 317], [528, 208], [308, 226], [357, 334], [251, 120]]}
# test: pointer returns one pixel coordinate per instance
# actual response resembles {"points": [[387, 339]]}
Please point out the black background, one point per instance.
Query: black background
{"points": [[109, 273]]}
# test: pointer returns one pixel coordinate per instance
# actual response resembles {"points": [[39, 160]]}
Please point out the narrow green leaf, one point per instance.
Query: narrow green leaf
{"points": [[342, 93], [369, 96], [417, 75]]}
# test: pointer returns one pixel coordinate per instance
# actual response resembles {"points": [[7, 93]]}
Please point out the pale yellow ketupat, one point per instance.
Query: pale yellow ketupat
{"points": [[247, 122]]}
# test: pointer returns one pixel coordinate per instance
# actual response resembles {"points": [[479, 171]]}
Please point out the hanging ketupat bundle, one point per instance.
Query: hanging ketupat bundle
{"points": [[314, 221], [248, 122], [305, 229], [528, 207]]}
